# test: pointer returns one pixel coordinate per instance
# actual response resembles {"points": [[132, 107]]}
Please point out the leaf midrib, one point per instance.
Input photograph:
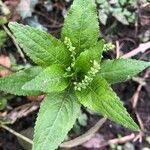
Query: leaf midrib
{"points": [[113, 71], [62, 103], [81, 25], [98, 98], [57, 60]]}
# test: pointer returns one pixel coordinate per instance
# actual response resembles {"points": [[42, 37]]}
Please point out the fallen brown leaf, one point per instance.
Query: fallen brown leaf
{"points": [[36, 98], [5, 61]]}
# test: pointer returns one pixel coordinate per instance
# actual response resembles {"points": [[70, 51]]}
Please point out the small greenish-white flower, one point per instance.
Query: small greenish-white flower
{"points": [[89, 77], [108, 46], [71, 48], [68, 69]]}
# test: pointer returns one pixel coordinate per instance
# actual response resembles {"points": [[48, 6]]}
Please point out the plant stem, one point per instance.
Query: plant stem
{"points": [[17, 134], [140, 49], [15, 42], [85, 137]]}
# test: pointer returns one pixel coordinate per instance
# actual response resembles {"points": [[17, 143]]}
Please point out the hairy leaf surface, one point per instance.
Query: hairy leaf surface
{"points": [[56, 117], [100, 97], [86, 58], [13, 83], [50, 80], [81, 24], [40, 46], [121, 69]]}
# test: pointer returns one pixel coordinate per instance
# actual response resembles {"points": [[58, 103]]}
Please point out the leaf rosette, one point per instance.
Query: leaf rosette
{"points": [[71, 73]]}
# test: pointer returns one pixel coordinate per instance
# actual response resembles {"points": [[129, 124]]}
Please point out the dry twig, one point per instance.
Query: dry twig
{"points": [[119, 140], [117, 50], [17, 134], [85, 137], [135, 99], [142, 48]]}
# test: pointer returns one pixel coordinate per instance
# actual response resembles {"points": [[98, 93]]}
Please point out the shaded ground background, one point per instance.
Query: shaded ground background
{"points": [[49, 16]]}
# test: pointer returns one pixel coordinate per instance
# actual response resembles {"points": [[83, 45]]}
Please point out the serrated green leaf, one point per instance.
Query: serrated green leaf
{"points": [[50, 80], [40, 46], [100, 97], [56, 117], [86, 58], [121, 69], [13, 83], [81, 25]]}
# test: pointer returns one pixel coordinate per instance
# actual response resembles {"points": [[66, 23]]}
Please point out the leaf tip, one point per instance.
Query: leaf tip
{"points": [[136, 128], [12, 24]]}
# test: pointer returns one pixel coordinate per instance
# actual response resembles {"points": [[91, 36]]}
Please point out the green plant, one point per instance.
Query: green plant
{"points": [[123, 10], [71, 73]]}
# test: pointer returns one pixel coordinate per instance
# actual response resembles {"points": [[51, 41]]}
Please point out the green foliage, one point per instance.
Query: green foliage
{"points": [[82, 119], [40, 46], [118, 70], [3, 103], [85, 59], [71, 74], [13, 83], [123, 10], [81, 25], [63, 109], [99, 96], [50, 80]]}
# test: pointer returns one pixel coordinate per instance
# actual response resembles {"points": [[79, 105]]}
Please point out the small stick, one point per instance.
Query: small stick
{"points": [[141, 134], [135, 96], [117, 50], [17, 134], [15, 42], [119, 140], [142, 48], [135, 99]]}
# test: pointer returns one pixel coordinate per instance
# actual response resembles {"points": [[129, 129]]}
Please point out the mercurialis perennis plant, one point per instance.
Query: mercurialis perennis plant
{"points": [[71, 72]]}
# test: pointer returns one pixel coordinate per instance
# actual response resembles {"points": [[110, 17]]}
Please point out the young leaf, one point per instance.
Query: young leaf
{"points": [[100, 98], [81, 25], [121, 69], [56, 117], [86, 58], [13, 83], [50, 80], [40, 46]]}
